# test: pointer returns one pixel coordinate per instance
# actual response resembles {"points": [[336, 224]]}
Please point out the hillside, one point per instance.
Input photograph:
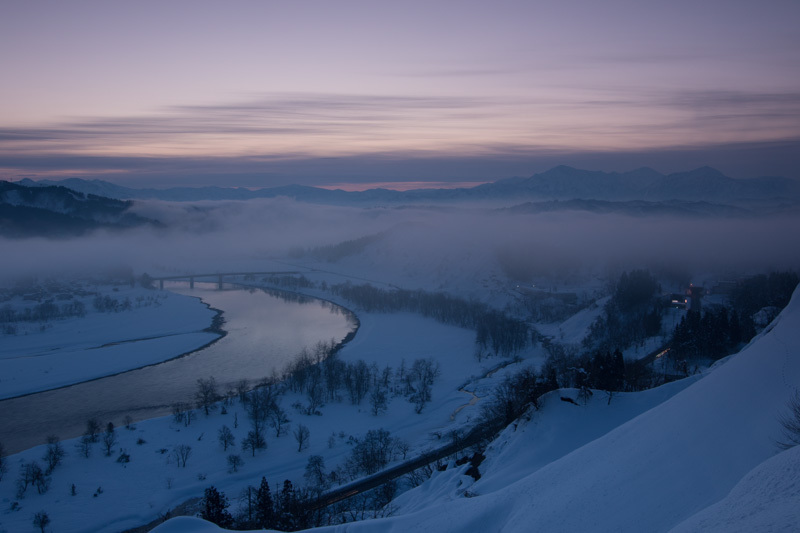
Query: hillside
{"points": [[704, 458], [661, 468], [54, 211]]}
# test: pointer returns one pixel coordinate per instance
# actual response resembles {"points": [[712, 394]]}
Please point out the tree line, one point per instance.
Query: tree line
{"points": [[766, 290], [495, 330], [712, 334], [632, 314], [720, 330], [322, 377], [43, 312], [290, 509]]}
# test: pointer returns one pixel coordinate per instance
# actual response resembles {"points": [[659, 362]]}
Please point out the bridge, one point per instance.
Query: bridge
{"points": [[218, 275]]}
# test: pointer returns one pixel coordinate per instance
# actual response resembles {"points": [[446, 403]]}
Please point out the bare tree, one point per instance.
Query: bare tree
{"points": [[182, 452], [278, 419], [315, 392], [260, 402], [253, 441], [356, 379], [178, 412], [206, 393], [226, 438], [378, 400], [109, 438], [92, 429], [41, 520], [372, 452], [302, 434], [31, 474], [241, 390], [54, 453], [234, 462], [182, 413], [402, 447], [315, 475], [422, 375], [84, 446]]}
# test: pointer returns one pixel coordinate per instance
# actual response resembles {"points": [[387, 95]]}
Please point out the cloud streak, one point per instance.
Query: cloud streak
{"points": [[280, 135], [781, 157]]}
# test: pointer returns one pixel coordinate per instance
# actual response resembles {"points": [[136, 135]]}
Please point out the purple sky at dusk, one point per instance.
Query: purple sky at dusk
{"points": [[261, 93]]}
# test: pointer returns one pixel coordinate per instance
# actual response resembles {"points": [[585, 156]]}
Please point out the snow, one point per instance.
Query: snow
{"points": [[697, 454], [560, 427], [575, 328], [659, 469], [766, 499], [187, 524], [160, 325], [152, 484]]}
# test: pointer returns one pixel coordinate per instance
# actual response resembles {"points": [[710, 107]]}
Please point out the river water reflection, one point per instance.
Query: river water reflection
{"points": [[265, 333]]}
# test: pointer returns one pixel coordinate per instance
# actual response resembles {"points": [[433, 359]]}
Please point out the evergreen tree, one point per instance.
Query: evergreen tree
{"points": [[734, 329], [617, 371], [215, 508], [285, 519], [265, 508]]}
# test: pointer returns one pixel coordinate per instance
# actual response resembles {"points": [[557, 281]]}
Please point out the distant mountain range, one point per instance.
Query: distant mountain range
{"points": [[560, 183], [75, 206], [51, 211]]}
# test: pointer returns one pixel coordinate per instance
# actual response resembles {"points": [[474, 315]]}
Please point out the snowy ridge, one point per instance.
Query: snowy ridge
{"points": [[56, 211]]}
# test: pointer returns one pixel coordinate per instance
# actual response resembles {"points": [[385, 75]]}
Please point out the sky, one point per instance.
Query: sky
{"points": [[263, 93]]}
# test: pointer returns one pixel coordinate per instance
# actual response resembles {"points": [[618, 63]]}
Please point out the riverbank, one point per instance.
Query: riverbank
{"points": [[152, 484], [156, 327]]}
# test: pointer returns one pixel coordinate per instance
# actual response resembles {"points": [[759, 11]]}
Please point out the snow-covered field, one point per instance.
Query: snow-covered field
{"points": [[151, 484], [158, 326]]}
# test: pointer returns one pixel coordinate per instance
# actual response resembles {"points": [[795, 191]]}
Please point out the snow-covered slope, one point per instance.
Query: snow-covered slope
{"points": [[60, 212], [766, 499], [705, 458], [662, 467]]}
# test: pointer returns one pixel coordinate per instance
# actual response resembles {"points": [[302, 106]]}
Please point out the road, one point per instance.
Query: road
{"points": [[362, 485]]}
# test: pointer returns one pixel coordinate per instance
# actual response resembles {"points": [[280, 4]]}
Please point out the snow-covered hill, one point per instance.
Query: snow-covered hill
{"points": [[703, 459], [664, 466], [54, 211]]}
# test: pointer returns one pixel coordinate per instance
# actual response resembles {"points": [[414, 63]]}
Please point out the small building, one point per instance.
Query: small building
{"points": [[695, 295], [676, 300]]}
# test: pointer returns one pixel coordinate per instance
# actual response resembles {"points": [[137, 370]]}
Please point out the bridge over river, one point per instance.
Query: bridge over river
{"points": [[218, 276]]}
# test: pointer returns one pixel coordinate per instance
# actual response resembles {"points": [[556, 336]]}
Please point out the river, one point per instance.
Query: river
{"points": [[266, 331]]}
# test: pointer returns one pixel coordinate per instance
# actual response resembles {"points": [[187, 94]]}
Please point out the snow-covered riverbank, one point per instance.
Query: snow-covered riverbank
{"points": [[151, 484], [157, 326]]}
